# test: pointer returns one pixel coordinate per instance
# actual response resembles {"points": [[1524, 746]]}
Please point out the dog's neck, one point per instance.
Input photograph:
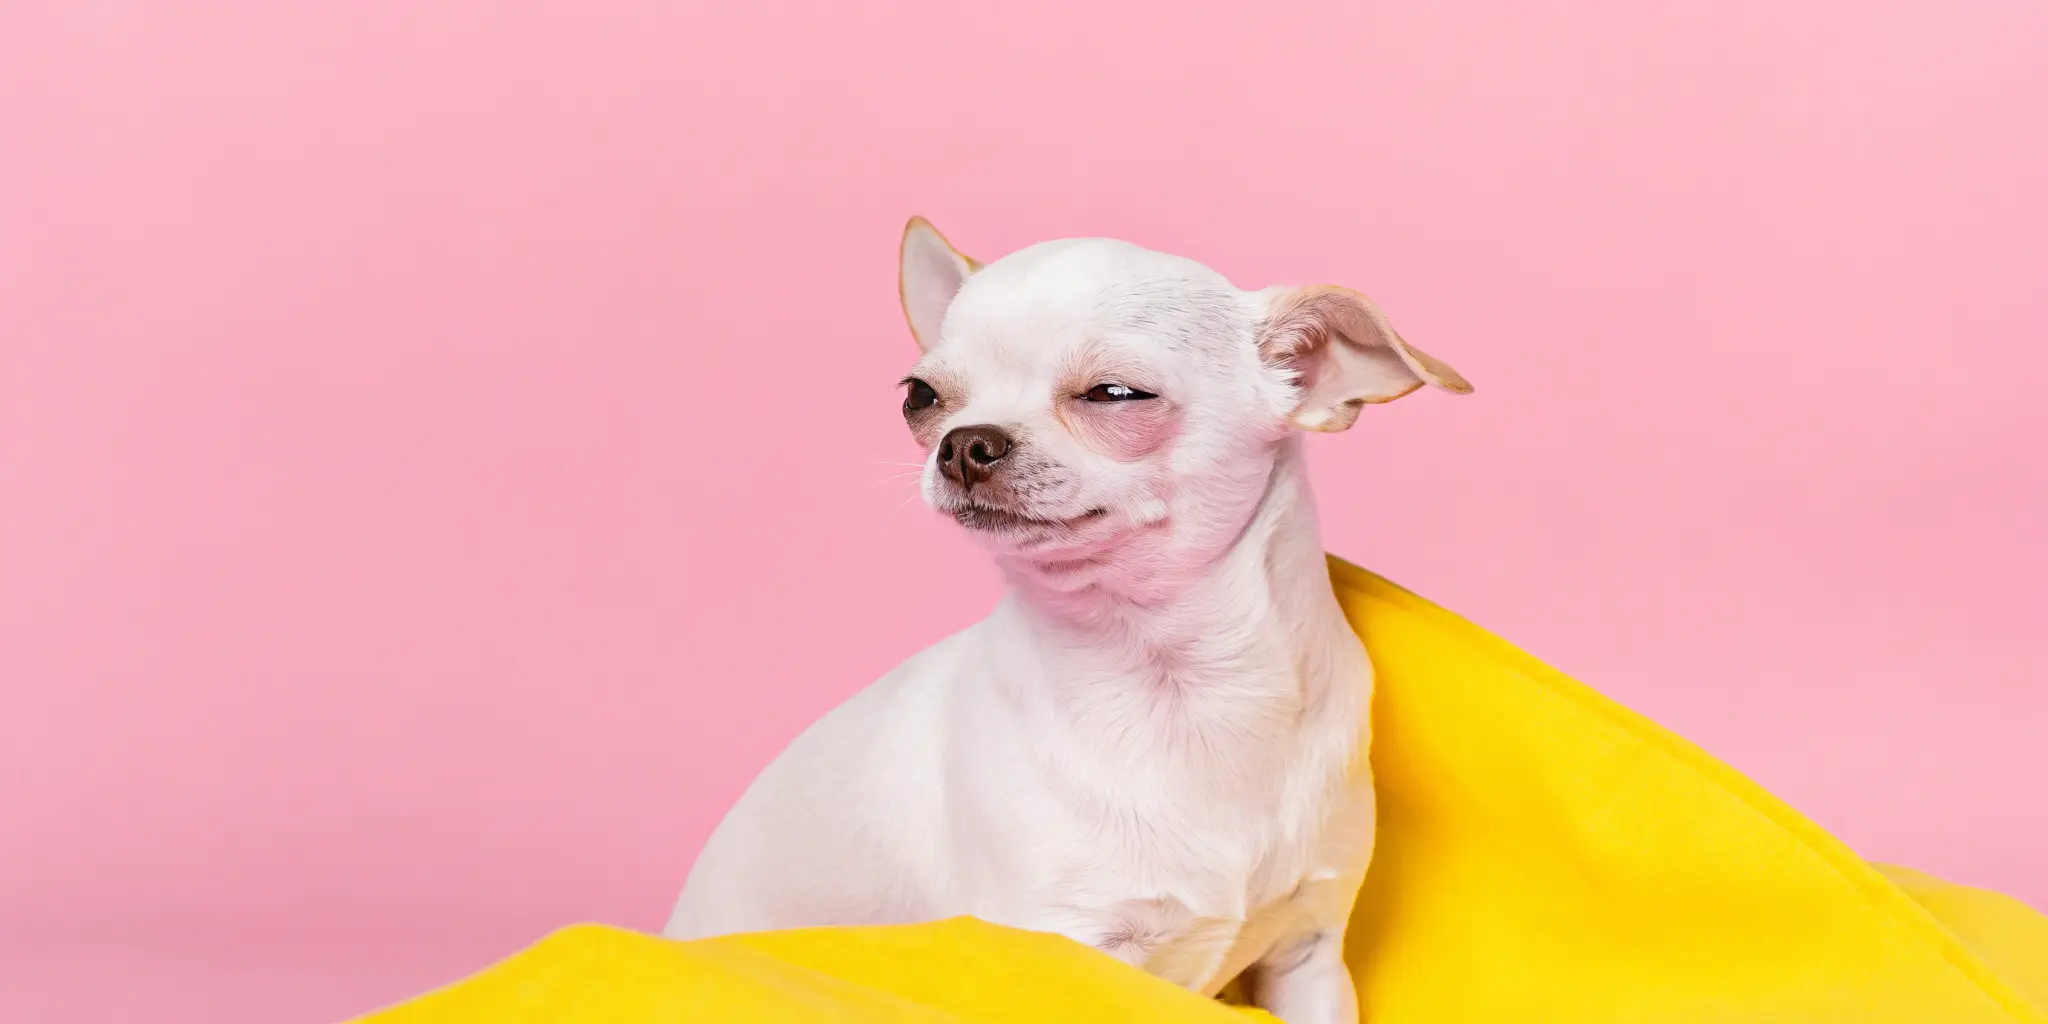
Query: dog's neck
{"points": [[1258, 614]]}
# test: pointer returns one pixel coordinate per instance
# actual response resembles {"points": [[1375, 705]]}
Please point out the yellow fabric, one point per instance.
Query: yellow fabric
{"points": [[1546, 854], [1543, 855], [953, 971]]}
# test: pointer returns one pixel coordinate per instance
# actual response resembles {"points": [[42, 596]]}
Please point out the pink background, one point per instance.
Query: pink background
{"points": [[414, 528]]}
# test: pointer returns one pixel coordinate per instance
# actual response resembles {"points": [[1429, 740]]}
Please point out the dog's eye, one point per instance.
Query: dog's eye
{"points": [[919, 396], [1115, 393]]}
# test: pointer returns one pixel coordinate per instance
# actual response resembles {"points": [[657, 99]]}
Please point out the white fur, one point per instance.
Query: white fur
{"points": [[1156, 743]]}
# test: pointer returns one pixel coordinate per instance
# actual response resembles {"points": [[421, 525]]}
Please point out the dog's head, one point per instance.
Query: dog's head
{"points": [[1089, 401]]}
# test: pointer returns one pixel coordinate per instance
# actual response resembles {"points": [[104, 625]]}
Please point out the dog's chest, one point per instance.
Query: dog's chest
{"points": [[1198, 809], [1194, 876], [1196, 901]]}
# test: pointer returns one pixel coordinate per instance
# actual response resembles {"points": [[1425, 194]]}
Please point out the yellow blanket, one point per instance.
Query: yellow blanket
{"points": [[1544, 855]]}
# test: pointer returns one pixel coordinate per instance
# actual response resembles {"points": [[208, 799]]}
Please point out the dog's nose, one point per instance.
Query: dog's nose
{"points": [[968, 455]]}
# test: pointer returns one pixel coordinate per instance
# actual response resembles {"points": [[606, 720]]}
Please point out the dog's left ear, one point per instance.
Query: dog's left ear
{"points": [[1343, 355], [931, 274]]}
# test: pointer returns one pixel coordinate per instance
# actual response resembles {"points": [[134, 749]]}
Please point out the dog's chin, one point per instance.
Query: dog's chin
{"points": [[1002, 524]]}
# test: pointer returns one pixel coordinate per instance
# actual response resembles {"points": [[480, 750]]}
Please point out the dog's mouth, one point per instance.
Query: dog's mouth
{"points": [[990, 519]]}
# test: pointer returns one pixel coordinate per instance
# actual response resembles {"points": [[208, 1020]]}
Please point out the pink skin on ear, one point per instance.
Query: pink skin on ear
{"points": [[1345, 355]]}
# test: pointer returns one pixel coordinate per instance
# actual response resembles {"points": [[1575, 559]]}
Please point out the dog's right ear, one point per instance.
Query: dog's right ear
{"points": [[931, 274], [1341, 353]]}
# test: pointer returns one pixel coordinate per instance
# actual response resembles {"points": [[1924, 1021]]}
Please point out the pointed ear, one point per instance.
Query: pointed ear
{"points": [[931, 274], [1343, 355]]}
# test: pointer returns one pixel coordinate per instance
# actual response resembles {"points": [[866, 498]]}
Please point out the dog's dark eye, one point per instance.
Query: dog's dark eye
{"points": [[920, 396], [1115, 393]]}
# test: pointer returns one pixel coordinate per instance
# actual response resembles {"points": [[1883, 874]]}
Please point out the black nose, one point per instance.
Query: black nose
{"points": [[968, 455]]}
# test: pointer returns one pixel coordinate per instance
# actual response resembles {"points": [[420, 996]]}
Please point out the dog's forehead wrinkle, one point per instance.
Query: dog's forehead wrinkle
{"points": [[1176, 320]]}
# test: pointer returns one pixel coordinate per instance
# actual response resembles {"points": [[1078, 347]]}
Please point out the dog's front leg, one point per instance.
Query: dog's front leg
{"points": [[1307, 982]]}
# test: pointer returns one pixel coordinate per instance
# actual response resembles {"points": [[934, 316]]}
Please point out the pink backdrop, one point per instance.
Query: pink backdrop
{"points": [[411, 529]]}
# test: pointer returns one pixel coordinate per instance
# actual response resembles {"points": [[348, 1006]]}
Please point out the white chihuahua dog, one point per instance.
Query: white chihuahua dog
{"points": [[1156, 744]]}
